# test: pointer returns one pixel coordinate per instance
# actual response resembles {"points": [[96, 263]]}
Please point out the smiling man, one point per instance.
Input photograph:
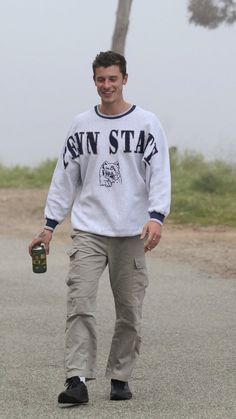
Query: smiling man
{"points": [[109, 82], [114, 176]]}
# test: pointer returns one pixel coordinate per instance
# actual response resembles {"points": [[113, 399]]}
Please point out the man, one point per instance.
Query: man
{"points": [[114, 173]]}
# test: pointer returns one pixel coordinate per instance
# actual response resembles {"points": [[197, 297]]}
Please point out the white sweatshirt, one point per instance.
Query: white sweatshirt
{"points": [[113, 174]]}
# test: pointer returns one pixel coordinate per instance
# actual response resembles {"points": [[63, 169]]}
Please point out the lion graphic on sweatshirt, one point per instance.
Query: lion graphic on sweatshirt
{"points": [[109, 173]]}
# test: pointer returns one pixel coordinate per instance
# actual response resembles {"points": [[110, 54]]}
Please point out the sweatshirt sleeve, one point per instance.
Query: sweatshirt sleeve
{"points": [[64, 185], [158, 179]]}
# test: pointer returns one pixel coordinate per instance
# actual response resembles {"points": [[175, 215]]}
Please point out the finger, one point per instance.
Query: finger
{"points": [[32, 244], [30, 250], [147, 249], [150, 241], [155, 240], [144, 232], [46, 245]]}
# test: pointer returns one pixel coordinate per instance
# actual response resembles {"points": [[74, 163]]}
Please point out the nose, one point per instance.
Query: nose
{"points": [[106, 83]]}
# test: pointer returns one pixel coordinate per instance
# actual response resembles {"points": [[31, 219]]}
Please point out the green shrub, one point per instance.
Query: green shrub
{"points": [[26, 177], [203, 192], [216, 177]]}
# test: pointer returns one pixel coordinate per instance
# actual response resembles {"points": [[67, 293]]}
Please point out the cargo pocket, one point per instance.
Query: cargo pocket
{"points": [[138, 345], [140, 271], [71, 252], [72, 265], [140, 263]]}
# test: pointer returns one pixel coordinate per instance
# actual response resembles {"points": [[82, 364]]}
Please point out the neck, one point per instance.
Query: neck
{"points": [[114, 108]]}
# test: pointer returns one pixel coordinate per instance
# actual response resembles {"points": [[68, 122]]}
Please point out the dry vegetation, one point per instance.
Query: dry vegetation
{"points": [[211, 249]]}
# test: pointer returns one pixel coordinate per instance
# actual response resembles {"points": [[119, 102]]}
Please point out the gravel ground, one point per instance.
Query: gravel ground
{"points": [[210, 249], [186, 368]]}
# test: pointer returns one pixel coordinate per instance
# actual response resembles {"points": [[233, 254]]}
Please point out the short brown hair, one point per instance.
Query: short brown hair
{"points": [[108, 58]]}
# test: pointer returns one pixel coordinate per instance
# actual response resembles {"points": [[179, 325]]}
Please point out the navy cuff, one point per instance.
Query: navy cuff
{"points": [[51, 223], [157, 216]]}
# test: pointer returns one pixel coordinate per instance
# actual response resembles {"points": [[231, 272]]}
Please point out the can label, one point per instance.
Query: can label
{"points": [[39, 260]]}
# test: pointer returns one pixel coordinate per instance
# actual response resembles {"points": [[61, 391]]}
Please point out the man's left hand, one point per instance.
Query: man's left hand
{"points": [[152, 232]]}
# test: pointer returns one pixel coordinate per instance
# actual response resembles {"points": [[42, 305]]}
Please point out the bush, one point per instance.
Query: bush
{"points": [[202, 192], [216, 178], [26, 177]]}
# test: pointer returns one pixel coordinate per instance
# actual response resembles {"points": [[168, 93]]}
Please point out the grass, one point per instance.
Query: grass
{"points": [[203, 192], [26, 177]]}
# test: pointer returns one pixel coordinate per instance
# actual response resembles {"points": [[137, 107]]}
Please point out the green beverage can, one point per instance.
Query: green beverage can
{"points": [[39, 260]]}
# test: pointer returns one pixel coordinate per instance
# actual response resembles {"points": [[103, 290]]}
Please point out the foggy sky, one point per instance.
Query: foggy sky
{"points": [[183, 73]]}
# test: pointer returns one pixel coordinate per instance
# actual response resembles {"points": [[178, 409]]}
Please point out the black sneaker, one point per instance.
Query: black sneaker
{"points": [[75, 393], [120, 390]]}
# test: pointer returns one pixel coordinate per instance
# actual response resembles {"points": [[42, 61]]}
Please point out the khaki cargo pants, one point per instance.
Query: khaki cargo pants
{"points": [[89, 256]]}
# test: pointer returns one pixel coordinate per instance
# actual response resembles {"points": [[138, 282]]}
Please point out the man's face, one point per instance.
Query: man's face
{"points": [[109, 82]]}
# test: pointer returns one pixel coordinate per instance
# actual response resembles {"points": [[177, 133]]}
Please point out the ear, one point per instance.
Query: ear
{"points": [[125, 79]]}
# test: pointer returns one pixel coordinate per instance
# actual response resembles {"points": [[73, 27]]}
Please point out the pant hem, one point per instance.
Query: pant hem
{"points": [[87, 374], [114, 376]]}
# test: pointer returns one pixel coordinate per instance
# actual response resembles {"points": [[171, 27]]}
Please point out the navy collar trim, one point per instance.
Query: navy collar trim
{"points": [[120, 115]]}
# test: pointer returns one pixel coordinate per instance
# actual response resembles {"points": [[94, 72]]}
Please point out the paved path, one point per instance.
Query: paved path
{"points": [[187, 365]]}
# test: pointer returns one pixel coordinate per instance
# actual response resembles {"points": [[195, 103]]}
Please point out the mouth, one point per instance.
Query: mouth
{"points": [[107, 93]]}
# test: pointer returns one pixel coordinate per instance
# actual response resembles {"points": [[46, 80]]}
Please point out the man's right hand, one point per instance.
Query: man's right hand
{"points": [[44, 237]]}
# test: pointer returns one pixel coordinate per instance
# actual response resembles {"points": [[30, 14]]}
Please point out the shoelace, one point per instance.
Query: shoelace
{"points": [[72, 382]]}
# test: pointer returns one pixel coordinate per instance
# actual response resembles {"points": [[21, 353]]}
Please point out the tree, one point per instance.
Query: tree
{"points": [[207, 13], [121, 26], [211, 13]]}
